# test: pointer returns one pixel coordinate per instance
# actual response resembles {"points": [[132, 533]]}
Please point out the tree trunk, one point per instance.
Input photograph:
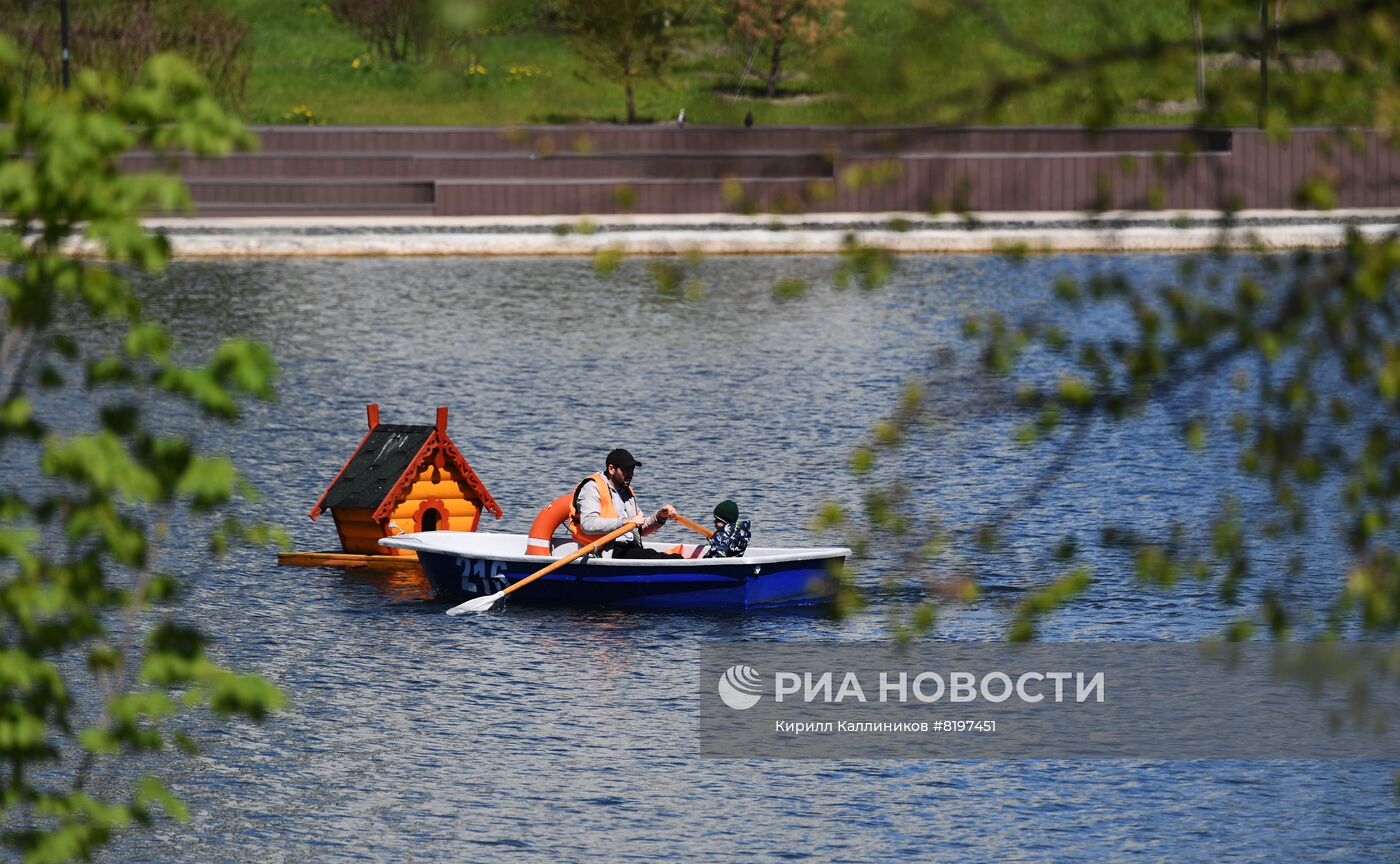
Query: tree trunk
{"points": [[775, 69], [631, 102], [1200, 54]]}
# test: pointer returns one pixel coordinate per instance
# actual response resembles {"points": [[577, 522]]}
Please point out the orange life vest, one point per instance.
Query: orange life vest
{"points": [[606, 509]]}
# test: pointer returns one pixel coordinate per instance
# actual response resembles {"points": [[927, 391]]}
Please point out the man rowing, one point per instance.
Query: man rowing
{"points": [[605, 502]]}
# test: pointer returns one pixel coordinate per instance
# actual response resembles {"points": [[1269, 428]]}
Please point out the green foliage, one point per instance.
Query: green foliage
{"points": [[872, 175], [1312, 326], [80, 553], [999, 61], [1045, 600], [676, 278], [869, 266], [627, 40], [896, 62], [607, 259], [849, 598], [1319, 407], [789, 288], [918, 621], [117, 38], [787, 28], [396, 29]]}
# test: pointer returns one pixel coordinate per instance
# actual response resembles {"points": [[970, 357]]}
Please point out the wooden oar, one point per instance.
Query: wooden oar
{"points": [[485, 604], [695, 526]]}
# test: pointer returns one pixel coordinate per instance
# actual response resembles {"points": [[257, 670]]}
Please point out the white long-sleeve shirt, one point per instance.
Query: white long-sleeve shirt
{"points": [[590, 512]]}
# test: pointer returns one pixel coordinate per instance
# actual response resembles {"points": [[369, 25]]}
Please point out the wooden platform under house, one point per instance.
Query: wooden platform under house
{"points": [[401, 479]]}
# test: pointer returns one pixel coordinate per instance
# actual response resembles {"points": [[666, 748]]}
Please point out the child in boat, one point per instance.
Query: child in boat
{"points": [[731, 535]]}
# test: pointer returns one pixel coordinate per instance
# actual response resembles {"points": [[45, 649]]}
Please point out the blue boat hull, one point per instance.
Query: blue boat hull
{"points": [[717, 587]]}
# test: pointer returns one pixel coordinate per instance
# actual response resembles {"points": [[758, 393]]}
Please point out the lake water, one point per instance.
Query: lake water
{"points": [[549, 735]]}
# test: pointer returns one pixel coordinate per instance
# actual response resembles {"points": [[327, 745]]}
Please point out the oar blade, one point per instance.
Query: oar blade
{"points": [[478, 604]]}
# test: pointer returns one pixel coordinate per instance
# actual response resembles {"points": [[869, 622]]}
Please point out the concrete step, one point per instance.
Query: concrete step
{"points": [[314, 191], [547, 197], [271, 166], [672, 139], [216, 209]]}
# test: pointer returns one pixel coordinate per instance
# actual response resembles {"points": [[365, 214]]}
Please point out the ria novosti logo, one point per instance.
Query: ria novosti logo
{"points": [[740, 687]]}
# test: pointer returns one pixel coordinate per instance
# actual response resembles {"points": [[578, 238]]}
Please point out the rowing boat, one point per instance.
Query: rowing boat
{"points": [[461, 565]]}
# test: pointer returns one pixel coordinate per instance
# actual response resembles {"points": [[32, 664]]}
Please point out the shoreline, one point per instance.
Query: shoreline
{"points": [[729, 234]]}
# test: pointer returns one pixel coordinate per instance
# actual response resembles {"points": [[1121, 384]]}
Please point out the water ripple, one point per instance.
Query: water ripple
{"points": [[550, 735]]}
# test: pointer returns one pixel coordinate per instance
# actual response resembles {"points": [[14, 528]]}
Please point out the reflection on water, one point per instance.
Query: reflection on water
{"points": [[396, 586], [566, 734]]}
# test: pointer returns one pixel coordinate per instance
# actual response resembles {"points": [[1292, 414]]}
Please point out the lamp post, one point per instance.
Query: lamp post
{"points": [[63, 16], [1263, 63]]}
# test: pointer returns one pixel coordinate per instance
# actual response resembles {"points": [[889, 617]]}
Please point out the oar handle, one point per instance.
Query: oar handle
{"points": [[572, 556], [694, 526]]}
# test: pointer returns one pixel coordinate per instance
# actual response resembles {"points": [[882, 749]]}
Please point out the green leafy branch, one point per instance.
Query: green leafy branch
{"points": [[79, 573]]}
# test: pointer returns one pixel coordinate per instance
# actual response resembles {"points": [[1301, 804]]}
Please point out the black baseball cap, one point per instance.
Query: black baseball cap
{"points": [[622, 459]]}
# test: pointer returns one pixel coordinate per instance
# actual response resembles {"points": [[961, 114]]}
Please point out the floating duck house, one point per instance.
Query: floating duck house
{"points": [[402, 479]]}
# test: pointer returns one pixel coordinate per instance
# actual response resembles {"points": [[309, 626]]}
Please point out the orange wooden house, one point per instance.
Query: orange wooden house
{"points": [[401, 479]]}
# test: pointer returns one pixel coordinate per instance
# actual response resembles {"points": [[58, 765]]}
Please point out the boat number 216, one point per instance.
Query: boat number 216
{"points": [[485, 576]]}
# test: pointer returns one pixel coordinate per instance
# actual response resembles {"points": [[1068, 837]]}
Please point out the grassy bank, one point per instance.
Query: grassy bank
{"points": [[305, 57], [899, 65]]}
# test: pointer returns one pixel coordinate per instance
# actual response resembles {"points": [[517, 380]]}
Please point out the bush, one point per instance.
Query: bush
{"points": [[118, 38], [393, 28]]}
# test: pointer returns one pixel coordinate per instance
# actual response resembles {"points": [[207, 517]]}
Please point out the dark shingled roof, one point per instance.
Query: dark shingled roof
{"points": [[374, 469]]}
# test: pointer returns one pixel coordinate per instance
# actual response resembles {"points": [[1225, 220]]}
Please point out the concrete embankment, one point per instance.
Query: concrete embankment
{"points": [[720, 234]]}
